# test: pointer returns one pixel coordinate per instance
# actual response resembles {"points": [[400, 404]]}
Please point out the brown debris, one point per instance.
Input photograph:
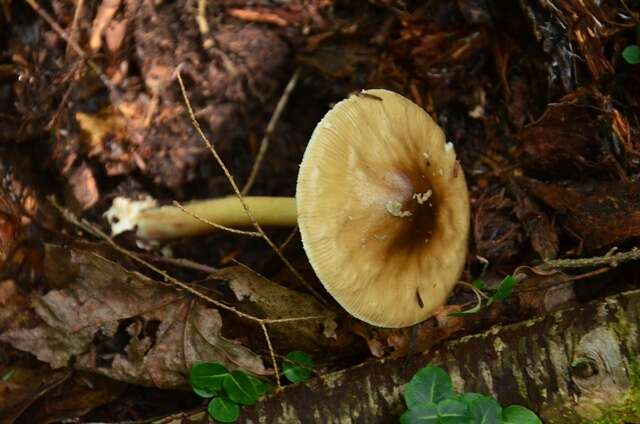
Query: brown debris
{"points": [[537, 225], [497, 233], [83, 187], [600, 213], [584, 21], [26, 383], [262, 16], [564, 141], [106, 12]]}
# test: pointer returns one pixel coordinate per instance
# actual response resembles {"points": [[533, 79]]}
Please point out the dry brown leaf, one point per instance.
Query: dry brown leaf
{"points": [[263, 298], [124, 325], [14, 305], [21, 384], [74, 398]]}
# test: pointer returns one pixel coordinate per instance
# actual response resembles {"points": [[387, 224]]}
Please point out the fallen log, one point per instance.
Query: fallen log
{"points": [[569, 366]]}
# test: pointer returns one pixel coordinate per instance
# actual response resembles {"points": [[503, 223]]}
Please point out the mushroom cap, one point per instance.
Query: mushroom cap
{"points": [[383, 209]]}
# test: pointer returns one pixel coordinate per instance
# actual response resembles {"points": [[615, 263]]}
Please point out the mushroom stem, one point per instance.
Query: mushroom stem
{"points": [[170, 222]]}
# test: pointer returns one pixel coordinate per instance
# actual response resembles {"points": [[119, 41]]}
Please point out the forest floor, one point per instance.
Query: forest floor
{"points": [[541, 100]]}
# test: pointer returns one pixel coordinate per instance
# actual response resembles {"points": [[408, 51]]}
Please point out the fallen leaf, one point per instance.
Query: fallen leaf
{"points": [[75, 397], [14, 305], [262, 297], [600, 213], [21, 384], [124, 325]]}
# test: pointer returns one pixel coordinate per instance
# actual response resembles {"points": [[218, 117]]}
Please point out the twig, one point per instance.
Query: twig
{"points": [[203, 25], [74, 23], [273, 355], [182, 262], [612, 260], [264, 143], [290, 237], [75, 46], [232, 181], [213, 224]]}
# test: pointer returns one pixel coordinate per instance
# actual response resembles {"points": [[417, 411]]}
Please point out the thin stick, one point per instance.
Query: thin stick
{"points": [[74, 23], [232, 181], [213, 224], [182, 262], [264, 143], [290, 237], [273, 355], [611, 260], [95, 231]]}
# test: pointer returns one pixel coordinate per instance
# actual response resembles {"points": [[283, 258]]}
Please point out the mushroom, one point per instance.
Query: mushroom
{"points": [[382, 206]]}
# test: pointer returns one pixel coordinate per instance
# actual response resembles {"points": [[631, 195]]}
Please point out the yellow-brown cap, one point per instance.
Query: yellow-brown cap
{"points": [[383, 209]]}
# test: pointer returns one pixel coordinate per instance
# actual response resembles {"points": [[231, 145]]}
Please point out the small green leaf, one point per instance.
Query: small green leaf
{"points": [[504, 288], [426, 413], [452, 411], [7, 375], [223, 410], [485, 410], [207, 377], [204, 393], [261, 387], [479, 284], [469, 397], [631, 54], [430, 384], [297, 366], [516, 414], [239, 388], [467, 312]]}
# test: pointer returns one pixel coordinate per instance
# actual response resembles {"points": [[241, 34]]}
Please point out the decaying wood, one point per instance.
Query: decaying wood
{"points": [[538, 363]]}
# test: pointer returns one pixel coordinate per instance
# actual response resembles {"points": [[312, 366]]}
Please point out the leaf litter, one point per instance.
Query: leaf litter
{"points": [[124, 325], [535, 95]]}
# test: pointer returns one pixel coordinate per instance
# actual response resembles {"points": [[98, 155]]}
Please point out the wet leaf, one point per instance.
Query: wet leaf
{"points": [[430, 384], [223, 410], [504, 288], [103, 304], [467, 312], [240, 389], [207, 377], [516, 414], [485, 410], [452, 411], [425, 413], [261, 387], [631, 54], [297, 366]]}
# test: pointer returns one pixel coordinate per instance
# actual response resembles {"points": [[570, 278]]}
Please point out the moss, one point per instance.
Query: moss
{"points": [[628, 410], [621, 325]]}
